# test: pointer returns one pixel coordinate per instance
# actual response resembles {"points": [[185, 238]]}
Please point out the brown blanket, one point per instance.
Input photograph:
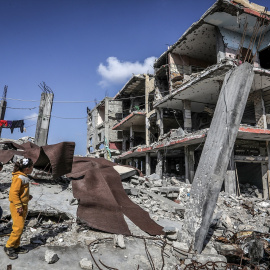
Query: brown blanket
{"points": [[98, 187], [102, 199], [57, 157]]}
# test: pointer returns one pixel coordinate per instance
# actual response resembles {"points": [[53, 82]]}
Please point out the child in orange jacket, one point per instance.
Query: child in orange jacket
{"points": [[19, 198]]}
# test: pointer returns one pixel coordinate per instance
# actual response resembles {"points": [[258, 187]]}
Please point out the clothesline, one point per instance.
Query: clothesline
{"points": [[12, 124]]}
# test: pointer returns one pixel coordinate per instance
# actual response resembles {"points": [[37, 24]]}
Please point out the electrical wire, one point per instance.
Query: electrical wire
{"points": [[68, 117], [30, 125], [21, 108], [84, 101]]}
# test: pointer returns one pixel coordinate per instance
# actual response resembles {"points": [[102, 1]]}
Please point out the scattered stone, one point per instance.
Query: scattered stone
{"points": [[32, 222], [153, 177], [134, 192], [119, 241], [51, 257], [205, 258], [158, 183], [86, 264], [134, 182], [169, 230]]}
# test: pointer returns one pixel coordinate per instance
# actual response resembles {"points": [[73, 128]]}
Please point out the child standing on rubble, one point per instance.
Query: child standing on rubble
{"points": [[19, 198]]}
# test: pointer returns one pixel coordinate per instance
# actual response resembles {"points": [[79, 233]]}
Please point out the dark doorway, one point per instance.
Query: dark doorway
{"points": [[250, 173]]}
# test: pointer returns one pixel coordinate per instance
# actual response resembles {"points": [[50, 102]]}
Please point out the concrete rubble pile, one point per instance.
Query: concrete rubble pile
{"points": [[239, 225], [239, 229], [57, 240]]}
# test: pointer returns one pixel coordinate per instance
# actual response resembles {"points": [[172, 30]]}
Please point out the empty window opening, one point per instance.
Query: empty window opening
{"points": [[264, 57], [101, 115]]}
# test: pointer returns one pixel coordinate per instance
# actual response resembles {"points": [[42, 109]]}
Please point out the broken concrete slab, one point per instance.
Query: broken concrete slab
{"points": [[172, 206], [125, 172]]}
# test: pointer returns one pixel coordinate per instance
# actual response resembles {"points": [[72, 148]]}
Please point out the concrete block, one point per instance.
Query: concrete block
{"points": [[119, 241], [134, 192], [153, 177], [86, 264], [135, 182], [205, 258], [158, 183], [51, 257]]}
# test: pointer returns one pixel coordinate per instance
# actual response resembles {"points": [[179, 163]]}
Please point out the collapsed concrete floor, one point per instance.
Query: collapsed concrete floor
{"points": [[239, 232]]}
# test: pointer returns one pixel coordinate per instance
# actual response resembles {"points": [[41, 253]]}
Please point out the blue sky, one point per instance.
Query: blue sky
{"points": [[83, 50]]}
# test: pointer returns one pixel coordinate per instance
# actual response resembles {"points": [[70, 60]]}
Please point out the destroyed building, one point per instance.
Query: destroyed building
{"points": [[101, 140], [164, 131]]}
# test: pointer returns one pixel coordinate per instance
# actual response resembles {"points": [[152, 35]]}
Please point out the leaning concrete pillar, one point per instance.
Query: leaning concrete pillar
{"points": [[44, 117], [187, 115], [215, 156], [268, 165]]}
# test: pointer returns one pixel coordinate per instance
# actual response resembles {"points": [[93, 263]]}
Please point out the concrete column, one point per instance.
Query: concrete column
{"points": [[159, 166], [189, 164], [147, 124], [230, 178], [191, 161], [106, 133], [131, 109], [147, 132], [3, 106], [44, 117], [187, 115], [268, 165], [136, 163], [124, 144], [264, 168], [147, 164], [216, 155], [131, 135], [160, 121], [259, 109], [165, 168]]}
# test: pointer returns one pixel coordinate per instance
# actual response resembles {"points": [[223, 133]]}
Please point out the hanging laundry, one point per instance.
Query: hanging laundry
{"points": [[3, 123], [17, 124], [9, 124]]}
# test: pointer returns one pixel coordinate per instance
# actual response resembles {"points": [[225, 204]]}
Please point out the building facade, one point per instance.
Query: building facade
{"points": [[166, 117]]}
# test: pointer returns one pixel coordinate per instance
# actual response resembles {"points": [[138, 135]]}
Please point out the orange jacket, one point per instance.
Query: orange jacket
{"points": [[19, 190]]}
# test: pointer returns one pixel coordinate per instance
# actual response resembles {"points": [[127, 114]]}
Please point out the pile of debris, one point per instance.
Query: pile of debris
{"points": [[239, 232]]}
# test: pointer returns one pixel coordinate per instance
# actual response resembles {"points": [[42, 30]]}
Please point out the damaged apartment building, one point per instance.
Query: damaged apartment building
{"points": [[159, 123]]}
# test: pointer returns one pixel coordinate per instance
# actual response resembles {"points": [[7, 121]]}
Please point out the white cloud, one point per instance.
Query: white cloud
{"points": [[31, 117], [118, 72]]}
